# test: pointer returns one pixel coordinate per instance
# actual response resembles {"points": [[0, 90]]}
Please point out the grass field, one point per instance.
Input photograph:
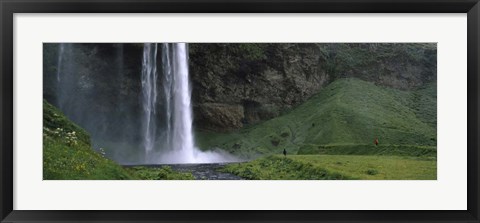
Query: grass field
{"points": [[336, 167], [346, 112], [369, 149]]}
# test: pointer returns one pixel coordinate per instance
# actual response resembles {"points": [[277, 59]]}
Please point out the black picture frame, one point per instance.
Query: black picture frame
{"points": [[9, 7]]}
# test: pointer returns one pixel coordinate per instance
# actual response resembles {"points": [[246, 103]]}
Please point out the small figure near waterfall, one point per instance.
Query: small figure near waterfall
{"points": [[284, 152]]}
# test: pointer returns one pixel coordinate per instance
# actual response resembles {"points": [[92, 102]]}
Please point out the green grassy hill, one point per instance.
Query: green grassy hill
{"points": [[347, 113], [68, 155]]}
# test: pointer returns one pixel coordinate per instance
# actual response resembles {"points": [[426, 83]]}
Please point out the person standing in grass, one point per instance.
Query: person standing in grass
{"points": [[376, 141], [284, 152]]}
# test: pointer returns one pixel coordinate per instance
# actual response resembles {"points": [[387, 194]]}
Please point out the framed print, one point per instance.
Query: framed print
{"points": [[199, 111]]}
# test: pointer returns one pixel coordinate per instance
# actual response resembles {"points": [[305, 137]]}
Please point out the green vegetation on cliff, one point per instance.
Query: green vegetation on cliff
{"points": [[375, 61], [348, 113]]}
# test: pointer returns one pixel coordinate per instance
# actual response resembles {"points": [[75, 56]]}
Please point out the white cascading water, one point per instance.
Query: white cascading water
{"points": [[149, 97], [61, 50], [182, 138], [167, 89], [65, 78], [179, 146]]}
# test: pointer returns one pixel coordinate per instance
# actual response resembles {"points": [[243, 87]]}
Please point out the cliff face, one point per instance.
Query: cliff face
{"points": [[233, 84], [238, 84]]}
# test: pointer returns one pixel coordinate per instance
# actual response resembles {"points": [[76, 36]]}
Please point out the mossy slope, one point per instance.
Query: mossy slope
{"points": [[68, 155], [347, 112]]}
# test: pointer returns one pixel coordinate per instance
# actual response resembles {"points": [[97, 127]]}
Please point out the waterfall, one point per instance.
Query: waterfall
{"points": [[65, 78], [61, 50], [182, 121], [177, 144], [149, 97], [97, 93], [178, 110], [167, 88]]}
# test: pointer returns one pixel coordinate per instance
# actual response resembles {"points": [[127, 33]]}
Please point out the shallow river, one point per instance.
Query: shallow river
{"points": [[202, 171]]}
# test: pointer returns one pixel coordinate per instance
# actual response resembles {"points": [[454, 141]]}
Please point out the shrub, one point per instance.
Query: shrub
{"points": [[372, 172]]}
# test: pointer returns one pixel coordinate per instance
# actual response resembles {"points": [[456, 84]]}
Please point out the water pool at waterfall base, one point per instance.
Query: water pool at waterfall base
{"points": [[199, 171], [193, 156]]}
